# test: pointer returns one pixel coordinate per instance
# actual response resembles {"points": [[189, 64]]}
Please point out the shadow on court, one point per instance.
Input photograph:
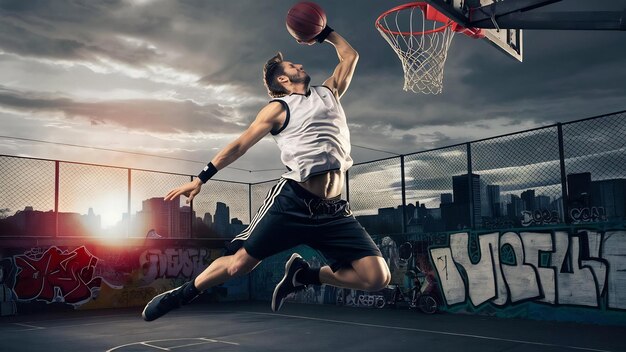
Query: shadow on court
{"points": [[298, 327]]}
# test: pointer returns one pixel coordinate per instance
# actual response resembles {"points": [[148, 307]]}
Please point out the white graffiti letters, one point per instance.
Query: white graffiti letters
{"points": [[578, 269]]}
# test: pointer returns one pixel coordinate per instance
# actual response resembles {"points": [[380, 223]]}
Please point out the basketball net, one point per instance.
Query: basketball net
{"points": [[421, 36]]}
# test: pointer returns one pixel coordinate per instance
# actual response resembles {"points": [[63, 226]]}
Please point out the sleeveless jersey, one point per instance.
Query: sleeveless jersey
{"points": [[315, 137]]}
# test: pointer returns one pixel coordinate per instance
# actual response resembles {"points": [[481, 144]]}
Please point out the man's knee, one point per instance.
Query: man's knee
{"points": [[375, 272], [378, 282], [241, 263]]}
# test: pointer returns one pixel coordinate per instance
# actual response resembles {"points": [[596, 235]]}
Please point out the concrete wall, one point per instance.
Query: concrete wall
{"points": [[62, 273], [562, 274]]}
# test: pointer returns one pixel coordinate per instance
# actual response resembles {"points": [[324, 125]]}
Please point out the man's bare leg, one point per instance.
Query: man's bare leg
{"points": [[220, 270], [368, 274], [224, 268]]}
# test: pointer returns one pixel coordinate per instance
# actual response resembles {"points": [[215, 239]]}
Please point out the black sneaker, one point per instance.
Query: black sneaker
{"points": [[288, 284], [163, 303]]}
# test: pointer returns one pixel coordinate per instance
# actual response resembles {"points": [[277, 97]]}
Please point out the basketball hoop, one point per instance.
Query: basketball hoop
{"points": [[421, 44]]}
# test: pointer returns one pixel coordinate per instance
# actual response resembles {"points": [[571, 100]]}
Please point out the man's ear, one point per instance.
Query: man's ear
{"points": [[283, 79]]}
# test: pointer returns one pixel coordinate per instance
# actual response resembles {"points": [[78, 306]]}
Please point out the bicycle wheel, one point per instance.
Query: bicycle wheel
{"points": [[427, 304]]}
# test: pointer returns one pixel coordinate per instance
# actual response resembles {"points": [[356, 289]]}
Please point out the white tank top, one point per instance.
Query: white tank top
{"points": [[314, 138]]}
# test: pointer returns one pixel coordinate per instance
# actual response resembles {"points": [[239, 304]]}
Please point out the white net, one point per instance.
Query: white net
{"points": [[421, 44]]}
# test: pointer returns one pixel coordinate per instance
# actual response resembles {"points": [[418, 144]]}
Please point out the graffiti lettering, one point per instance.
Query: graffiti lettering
{"points": [[173, 262], [593, 214], [556, 268], [56, 275], [540, 217]]}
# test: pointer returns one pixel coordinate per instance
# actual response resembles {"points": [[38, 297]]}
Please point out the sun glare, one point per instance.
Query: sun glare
{"points": [[110, 208]]}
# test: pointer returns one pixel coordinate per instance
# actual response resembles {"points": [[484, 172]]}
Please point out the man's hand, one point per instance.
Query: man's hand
{"points": [[311, 42], [188, 190]]}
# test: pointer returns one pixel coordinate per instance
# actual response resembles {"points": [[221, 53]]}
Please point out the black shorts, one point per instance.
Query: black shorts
{"points": [[292, 216]]}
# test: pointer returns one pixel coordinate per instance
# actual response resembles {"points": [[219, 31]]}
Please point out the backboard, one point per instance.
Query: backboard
{"points": [[460, 11]]}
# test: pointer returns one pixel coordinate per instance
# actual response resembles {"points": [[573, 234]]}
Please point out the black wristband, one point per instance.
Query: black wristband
{"points": [[209, 171], [323, 34]]}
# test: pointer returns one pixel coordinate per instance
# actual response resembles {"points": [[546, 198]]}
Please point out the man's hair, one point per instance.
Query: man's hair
{"points": [[272, 69]]}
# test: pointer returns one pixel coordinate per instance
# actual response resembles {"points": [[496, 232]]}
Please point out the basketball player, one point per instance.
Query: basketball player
{"points": [[304, 207]]}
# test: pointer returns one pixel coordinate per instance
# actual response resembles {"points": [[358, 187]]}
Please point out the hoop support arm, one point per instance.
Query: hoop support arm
{"points": [[594, 20]]}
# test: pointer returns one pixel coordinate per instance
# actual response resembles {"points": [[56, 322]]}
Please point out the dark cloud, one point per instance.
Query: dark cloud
{"points": [[565, 74], [144, 115]]}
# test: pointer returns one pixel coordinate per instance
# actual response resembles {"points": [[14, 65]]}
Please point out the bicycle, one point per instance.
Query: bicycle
{"points": [[415, 297]]}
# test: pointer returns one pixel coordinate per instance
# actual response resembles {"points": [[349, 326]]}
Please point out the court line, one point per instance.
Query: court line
{"points": [[32, 327], [432, 332], [147, 343]]}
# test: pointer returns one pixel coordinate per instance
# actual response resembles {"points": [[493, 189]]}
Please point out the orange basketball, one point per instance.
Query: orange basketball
{"points": [[305, 20]]}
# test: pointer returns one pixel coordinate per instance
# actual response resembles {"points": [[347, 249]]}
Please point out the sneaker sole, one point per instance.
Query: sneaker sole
{"points": [[143, 313], [287, 265]]}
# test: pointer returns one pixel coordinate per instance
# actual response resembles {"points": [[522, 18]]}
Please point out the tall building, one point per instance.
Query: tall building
{"points": [[515, 207], [610, 195], [208, 220], [463, 196], [485, 209], [528, 197], [446, 198], [222, 219], [159, 215], [542, 202], [493, 200], [579, 190], [186, 218]]}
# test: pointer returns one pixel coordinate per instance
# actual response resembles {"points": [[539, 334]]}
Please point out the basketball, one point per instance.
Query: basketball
{"points": [[305, 20]]}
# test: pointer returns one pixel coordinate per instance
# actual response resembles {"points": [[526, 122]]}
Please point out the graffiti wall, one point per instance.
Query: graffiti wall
{"points": [[575, 275], [97, 276], [536, 274]]}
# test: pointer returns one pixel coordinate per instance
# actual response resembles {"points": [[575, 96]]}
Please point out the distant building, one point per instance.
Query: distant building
{"points": [[493, 200], [446, 198], [611, 195], [157, 214], [222, 219], [542, 203], [515, 207], [463, 196], [528, 197], [579, 190]]}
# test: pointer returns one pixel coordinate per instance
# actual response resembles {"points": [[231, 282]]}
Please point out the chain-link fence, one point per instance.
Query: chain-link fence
{"points": [[47, 198], [558, 175]]}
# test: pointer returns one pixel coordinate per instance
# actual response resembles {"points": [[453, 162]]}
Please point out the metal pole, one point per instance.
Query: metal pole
{"points": [[56, 199], [190, 219], [564, 196], [403, 182], [128, 205], [471, 185], [250, 221]]}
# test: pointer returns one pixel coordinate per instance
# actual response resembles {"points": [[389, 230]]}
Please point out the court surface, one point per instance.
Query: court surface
{"points": [[251, 326]]}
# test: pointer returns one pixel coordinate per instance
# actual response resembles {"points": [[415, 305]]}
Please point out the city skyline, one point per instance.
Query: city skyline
{"points": [[598, 200]]}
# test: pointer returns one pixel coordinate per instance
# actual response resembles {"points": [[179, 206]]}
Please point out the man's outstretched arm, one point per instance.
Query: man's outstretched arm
{"points": [[348, 57], [266, 120]]}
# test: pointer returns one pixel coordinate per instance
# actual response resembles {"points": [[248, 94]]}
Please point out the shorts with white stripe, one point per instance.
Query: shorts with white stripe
{"points": [[292, 216]]}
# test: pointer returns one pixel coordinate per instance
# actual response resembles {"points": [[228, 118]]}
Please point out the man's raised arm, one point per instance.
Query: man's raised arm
{"points": [[348, 57]]}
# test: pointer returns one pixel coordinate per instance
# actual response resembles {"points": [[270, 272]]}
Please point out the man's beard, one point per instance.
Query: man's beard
{"points": [[297, 79]]}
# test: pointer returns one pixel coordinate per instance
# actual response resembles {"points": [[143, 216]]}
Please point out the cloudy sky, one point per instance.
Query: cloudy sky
{"points": [[181, 79]]}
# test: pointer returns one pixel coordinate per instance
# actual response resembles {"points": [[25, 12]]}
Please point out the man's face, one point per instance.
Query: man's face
{"points": [[296, 73]]}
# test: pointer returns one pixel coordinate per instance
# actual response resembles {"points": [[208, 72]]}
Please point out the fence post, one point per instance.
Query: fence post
{"points": [[403, 183], [56, 198], [564, 197], [471, 186], [191, 233], [128, 205]]}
